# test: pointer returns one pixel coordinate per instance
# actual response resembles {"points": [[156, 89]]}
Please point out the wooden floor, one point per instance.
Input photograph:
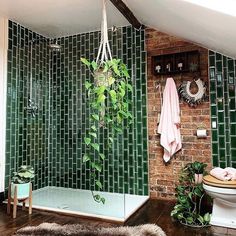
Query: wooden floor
{"points": [[154, 211]]}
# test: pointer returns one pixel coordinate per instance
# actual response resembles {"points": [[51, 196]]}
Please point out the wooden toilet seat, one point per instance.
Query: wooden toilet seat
{"points": [[212, 181]]}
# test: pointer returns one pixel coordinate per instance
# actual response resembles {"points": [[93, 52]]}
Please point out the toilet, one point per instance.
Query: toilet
{"points": [[224, 201]]}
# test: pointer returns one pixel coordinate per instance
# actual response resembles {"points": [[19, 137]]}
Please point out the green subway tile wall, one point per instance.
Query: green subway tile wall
{"points": [[126, 166], [222, 71], [27, 137], [53, 140]]}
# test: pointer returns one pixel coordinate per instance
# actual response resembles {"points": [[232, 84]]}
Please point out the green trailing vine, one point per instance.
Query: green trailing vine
{"points": [[188, 209], [109, 108]]}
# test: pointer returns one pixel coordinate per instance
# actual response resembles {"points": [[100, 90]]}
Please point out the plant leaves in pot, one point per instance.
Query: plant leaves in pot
{"points": [[189, 209], [21, 181], [198, 169]]}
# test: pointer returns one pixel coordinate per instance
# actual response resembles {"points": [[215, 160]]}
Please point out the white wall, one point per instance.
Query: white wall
{"points": [[3, 88]]}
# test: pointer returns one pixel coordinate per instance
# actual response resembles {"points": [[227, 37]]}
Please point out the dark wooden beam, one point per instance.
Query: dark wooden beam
{"points": [[127, 13]]}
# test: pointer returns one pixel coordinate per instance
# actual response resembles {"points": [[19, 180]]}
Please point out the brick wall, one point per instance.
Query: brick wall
{"points": [[163, 178]]}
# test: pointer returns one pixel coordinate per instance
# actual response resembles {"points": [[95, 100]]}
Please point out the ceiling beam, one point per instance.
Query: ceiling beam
{"points": [[127, 13]]}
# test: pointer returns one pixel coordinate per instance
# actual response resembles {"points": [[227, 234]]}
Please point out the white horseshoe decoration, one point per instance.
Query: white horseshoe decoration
{"points": [[190, 98]]}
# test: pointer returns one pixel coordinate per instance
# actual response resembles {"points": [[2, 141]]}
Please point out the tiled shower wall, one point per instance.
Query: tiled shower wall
{"points": [[27, 137], [223, 111], [126, 166], [52, 141]]}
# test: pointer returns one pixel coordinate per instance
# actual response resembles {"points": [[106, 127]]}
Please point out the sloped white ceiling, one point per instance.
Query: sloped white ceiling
{"points": [[210, 28]]}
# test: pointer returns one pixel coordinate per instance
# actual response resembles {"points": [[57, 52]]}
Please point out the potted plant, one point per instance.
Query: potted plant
{"points": [[108, 93], [198, 169], [188, 209], [21, 181]]}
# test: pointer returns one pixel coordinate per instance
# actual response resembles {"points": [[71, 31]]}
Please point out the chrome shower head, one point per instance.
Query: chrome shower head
{"points": [[55, 47]]}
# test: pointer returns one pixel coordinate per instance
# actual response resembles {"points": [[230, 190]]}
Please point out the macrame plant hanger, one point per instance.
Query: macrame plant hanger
{"points": [[104, 51]]}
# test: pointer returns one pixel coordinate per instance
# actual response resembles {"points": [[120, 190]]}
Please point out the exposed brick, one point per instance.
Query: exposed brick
{"points": [[163, 178]]}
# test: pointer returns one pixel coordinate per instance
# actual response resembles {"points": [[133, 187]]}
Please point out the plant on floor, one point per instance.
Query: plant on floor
{"points": [[188, 209], [24, 175], [109, 108], [21, 182]]}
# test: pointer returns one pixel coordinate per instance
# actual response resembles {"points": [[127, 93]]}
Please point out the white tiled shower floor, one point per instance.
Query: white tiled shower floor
{"points": [[76, 201]]}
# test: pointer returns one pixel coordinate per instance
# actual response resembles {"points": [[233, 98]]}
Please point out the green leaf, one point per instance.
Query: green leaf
{"points": [[93, 175], [189, 220], [113, 95], [129, 86], [115, 69], [119, 130], [106, 68], [96, 197], [122, 92], [97, 166], [94, 65], [85, 61], [102, 156], [99, 184], [93, 134], [125, 72], [95, 146], [111, 139], [207, 217], [93, 127], [86, 158], [101, 98], [95, 117], [174, 212], [111, 80], [123, 113], [102, 200], [201, 220], [87, 85], [87, 141], [190, 194], [180, 216], [101, 89], [198, 192]]}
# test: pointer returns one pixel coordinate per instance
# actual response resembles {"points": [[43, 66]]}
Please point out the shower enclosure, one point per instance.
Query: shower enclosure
{"points": [[52, 140]]}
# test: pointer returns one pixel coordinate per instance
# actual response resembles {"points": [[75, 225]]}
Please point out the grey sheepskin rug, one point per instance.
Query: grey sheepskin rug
{"points": [[50, 229]]}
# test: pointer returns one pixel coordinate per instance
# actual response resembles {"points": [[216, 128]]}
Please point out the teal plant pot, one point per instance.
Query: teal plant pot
{"points": [[22, 190]]}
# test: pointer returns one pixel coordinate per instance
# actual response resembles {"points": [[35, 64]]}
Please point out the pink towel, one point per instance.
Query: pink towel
{"points": [[220, 174], [169, 121], [231, 172]]}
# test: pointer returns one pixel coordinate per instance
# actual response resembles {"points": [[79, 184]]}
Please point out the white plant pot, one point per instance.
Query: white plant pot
{"points": [[23, 190], [198, 178]]}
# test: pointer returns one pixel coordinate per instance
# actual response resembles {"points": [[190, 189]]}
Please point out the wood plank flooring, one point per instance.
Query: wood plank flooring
{"points": [[154, 211]]}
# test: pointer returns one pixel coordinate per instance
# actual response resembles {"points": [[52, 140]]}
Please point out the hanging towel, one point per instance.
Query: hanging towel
{"points": [[169, 121]]}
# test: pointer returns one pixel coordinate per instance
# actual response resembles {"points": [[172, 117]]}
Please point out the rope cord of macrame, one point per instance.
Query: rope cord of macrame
{"points": [[104, 51]]}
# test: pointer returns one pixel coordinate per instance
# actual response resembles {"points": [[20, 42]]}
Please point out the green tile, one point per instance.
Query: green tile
{"points": [[212, 60], [68, 113]]}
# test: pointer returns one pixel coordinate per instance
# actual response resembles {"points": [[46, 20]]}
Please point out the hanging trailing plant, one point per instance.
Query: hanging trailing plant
{"points": [[188, 209], [109, 107], [109, 104]]}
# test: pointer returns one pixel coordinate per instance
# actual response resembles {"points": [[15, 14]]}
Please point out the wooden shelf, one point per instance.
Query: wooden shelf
{"points": [[176, 63]]}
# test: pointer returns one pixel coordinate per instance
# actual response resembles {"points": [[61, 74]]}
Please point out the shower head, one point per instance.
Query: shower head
{"points": [[55, 47]]}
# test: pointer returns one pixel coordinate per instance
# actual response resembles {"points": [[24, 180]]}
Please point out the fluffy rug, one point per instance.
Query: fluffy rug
{"points": [[49, 229]]}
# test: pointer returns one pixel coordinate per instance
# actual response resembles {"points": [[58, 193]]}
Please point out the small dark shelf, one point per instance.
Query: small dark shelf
{"points": [[176, 63]]}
